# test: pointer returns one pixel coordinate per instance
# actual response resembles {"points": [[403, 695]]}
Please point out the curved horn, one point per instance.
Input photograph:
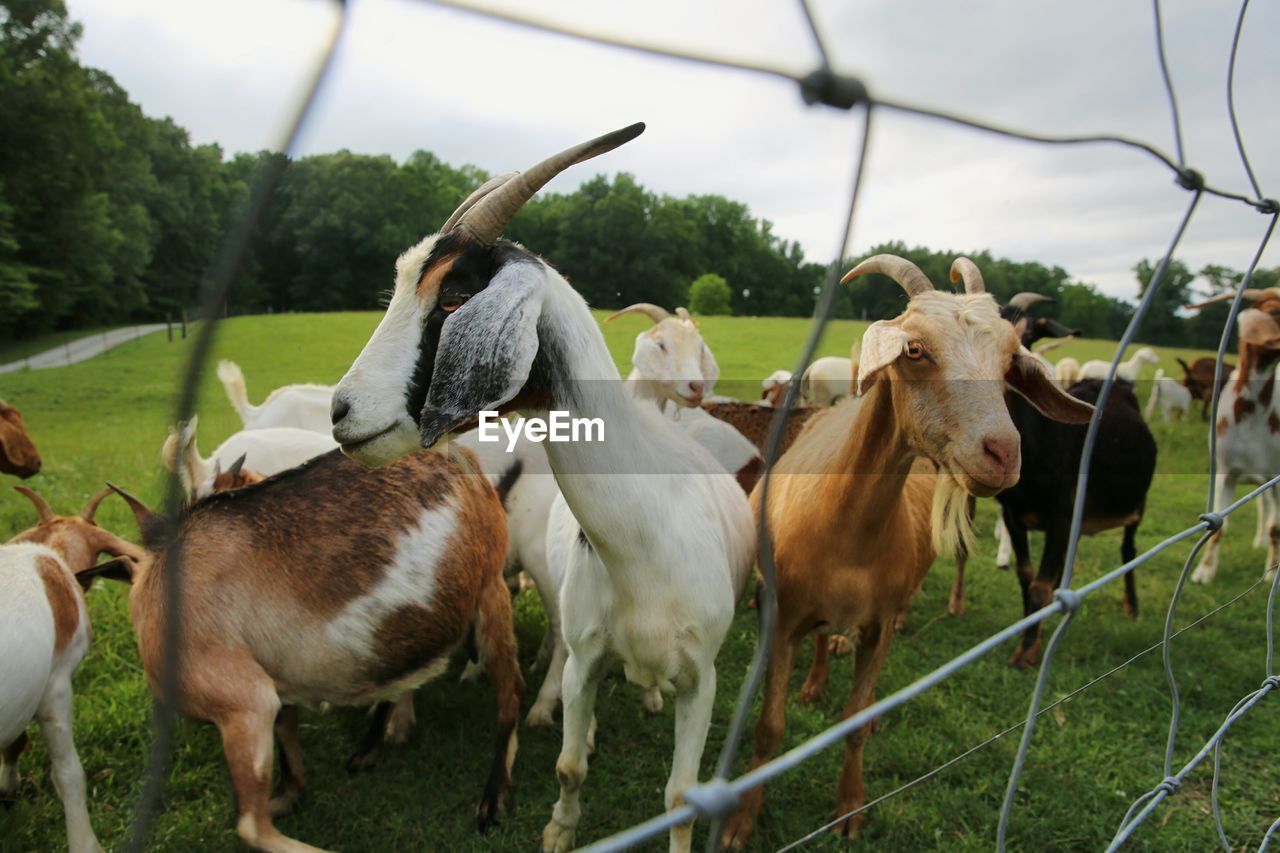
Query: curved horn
{"points": [[141, 511], [234, 470], [1251, 293], [487, 217], [92, 506], [479, 193], [42, 508], [1023, 301], [655, 313], [963, 268], [683, 313], [901, 270]]}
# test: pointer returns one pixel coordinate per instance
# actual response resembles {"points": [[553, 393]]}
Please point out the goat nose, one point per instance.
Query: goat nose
{"points": [[1001, 450], [339, 410]]}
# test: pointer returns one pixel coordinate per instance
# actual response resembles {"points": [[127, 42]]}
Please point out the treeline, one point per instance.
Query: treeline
{"points": [[108, 216]]}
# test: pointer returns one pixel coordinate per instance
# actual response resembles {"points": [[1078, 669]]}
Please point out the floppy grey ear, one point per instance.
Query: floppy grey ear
{"points": [[486, 351]]}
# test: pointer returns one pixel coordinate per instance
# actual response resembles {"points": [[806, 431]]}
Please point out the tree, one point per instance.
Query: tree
{"points": [[709, 295]]}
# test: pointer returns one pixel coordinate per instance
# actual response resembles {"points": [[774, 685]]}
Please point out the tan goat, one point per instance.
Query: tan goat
{"points": [[296, 592], [853, 543]]}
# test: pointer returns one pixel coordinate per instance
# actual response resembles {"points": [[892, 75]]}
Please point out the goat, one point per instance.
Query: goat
{"points": [[1126, 371], [294, 593], [1198, 379], [774, 387], [858, 507], [1120, 473], [302, 406], [18, 454], [267, 451], [1248, 427], [670, 361], [826, 380], [1170, 395], [1067, 371], [656, 553], [44, 634]]}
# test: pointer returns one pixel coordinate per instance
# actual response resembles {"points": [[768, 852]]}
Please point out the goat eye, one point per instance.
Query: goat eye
{"points": [[915, 351], [662, 346], [450, 302]]}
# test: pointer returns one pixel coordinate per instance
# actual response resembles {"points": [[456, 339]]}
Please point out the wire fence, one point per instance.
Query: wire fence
{"points": [[719, 797]]}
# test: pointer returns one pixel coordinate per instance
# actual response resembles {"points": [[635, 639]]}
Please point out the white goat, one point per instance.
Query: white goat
{"points": [[303, 406], [827, 380], [774, 387], [44, 634], [265, 451], [670, 362], [658, 550], [1067, 371], [1170, 395], [1126, 371]]}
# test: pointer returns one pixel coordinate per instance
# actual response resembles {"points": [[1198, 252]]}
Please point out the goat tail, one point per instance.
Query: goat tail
{"points": [[950, 524], [233, 381]]}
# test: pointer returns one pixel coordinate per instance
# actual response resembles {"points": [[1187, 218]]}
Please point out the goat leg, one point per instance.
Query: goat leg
{"points": [[9, 770], [291, 779], [872, 649], [366, 754], [496, 638]]}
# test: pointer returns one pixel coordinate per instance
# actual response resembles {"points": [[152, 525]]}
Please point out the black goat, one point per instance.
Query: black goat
{"points": [[1124, 460]]}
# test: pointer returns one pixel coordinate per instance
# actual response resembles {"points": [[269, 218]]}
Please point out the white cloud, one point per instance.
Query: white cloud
{"points": [[412, 75]]}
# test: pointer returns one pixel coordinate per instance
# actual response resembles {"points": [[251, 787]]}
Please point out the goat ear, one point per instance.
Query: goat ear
{"points": [[1259, 328], [115, 569], [1186, 368], [882, 343], [486, 351], [710, 370], [1028, 376]]}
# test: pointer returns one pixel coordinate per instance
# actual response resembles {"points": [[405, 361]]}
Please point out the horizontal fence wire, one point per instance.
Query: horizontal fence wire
{"points": [[717, 798]]}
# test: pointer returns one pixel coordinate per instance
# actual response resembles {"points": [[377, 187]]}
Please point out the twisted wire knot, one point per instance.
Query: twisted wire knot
{"points": [[1170, 785], [714, 798], [1214, 520], [1268, 205], [1271, 682], [1070, 599], [1190, 179], [824, 86]]}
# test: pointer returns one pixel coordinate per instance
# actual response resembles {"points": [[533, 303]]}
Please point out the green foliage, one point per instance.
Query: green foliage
{"points": [[709, 295]]}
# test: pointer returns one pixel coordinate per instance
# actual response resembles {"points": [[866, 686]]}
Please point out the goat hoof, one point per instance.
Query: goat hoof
{"points": [[540, 717], [1202, 575], [284, 802], [362, 761], [1004, 567], [850, 827], [737, 831], [487, 813], [1025, 658], [1130, 609], [956, 608], [557, 838], [811, 694], [839, 645]]}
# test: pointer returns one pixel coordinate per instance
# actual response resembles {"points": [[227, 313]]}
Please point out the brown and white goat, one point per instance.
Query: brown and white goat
{"points": [[857, 509], [296, 592], [44, 634], [18, 454], [1248, 427]]}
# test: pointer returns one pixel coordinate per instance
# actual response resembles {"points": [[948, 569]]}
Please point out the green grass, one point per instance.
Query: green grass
{"points": [[105, 419]]}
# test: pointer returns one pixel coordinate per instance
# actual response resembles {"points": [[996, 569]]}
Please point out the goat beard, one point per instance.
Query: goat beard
{"points": [[949, 522]]}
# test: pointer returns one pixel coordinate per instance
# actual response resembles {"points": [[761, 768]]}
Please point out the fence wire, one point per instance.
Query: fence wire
{"points": [[718, 797]]}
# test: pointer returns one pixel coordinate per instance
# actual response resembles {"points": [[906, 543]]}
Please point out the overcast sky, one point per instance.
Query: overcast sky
{"points": [[412, 75]]}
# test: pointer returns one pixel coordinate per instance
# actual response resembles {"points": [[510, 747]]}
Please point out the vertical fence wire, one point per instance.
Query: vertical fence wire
{"points": [[714, 799]]}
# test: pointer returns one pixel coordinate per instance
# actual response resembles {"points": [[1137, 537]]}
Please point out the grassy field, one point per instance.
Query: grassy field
{"points": [[105, 419]]}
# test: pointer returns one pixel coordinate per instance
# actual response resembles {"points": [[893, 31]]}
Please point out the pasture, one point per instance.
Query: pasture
{"points": [[106, 418]]}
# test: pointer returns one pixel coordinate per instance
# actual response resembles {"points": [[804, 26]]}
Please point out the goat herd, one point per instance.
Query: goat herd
{"points": [[318, 576]]}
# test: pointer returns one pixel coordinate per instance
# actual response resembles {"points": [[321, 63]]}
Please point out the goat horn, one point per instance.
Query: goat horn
{"points": [[683, 313], [1023, 301], [141, 511], [234, 470], [655, 313], [963, 268], [488, 215], [92, 506], [901, 270], [479, 193], [1252, 294], [46, 514]]}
